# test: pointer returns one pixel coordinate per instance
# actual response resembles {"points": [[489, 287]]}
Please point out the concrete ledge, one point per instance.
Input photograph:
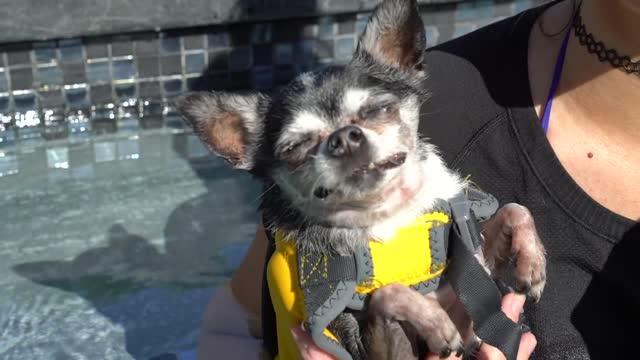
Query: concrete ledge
{"points": [[28, 20]]}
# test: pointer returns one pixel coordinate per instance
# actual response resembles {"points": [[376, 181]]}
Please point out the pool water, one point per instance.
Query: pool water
{"points": [[111, 247]]}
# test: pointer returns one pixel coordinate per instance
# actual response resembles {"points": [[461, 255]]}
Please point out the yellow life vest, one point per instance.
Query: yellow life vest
{"points": [[415, 256]]}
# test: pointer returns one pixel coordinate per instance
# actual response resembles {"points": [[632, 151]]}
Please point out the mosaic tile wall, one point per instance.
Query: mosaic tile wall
{"points": [[77, 88]]}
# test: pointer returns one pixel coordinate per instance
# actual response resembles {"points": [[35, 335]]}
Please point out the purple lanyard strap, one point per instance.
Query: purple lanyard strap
{"points": [[554, 84]]}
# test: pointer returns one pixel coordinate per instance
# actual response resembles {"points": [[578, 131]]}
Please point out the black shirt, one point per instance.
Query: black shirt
{"points": [[481, 116]]}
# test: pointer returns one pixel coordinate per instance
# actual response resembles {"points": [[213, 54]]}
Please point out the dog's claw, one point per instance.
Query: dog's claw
{"points": [[459, 352], [445, 353]]}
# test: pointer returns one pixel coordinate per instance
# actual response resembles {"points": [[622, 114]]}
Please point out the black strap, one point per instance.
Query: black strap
{"points": [[479, 294]]}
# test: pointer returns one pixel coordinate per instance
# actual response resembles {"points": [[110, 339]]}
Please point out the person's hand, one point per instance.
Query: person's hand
{"points": [[308, 349], [512, 305]]}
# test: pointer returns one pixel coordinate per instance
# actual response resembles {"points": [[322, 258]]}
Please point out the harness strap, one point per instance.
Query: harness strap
{"points": [[477, 292]]}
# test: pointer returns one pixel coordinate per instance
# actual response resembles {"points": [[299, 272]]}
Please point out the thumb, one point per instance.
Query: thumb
{"points": [[308, 350], [512, 305]]}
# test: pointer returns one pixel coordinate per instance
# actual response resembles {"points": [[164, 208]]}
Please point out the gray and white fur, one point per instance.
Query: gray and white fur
{"points": [[343, 163]]}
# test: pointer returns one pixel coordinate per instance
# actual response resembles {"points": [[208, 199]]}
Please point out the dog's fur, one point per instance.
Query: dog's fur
{"points": [[342, 161]]}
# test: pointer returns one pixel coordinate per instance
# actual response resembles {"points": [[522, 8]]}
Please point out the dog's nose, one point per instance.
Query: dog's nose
{"points": [[345, 141]]}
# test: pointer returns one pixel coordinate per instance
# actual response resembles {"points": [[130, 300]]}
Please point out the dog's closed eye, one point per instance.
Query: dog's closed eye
{"points": [[372, 112], [297, 151]]}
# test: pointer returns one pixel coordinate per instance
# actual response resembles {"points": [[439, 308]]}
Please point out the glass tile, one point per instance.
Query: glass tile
{"points": [[77, 98], [71, 50], [194, 63], [45, 52], [98, 72], [240, 59], [49, 75], [123, 69], [172, 87], [218, 38], [283, 54], [345, 48], [169, 44]]}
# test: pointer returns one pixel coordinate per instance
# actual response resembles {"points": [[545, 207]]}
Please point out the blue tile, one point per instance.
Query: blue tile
{"points": [[283, 54], [98, 71], [263, 77], [25, 102], [361, 22], [83, 172], [4, 83], [261, 33], [126, 92], [344, 48], [27, 122], [45, 52], [8, 162], [123, 69], [5, 102], [304, 53], [172, 87], [104, 151], [326, 27], [58, 158], [169, 44], [194, 63], [49, 75], [128, 149], [218, 38], [240, 59], [77, 98], [71, 50], [128, 123], [79, 123]]}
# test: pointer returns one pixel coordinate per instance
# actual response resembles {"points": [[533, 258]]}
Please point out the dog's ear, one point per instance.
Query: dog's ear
{"points": [[395, 35], [229, 124]]}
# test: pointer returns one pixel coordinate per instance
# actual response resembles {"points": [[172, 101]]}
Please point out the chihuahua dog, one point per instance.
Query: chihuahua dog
{"points": [[340, 151]]}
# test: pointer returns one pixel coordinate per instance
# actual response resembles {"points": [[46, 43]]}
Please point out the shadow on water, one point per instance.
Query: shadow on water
{"points": [[157, 292]]}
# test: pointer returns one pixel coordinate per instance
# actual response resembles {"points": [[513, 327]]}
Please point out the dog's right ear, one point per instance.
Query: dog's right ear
{"points": [[229, 124]]}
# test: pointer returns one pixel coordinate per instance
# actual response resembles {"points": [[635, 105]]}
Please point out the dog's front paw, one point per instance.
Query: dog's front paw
{"points": [[512, 234], [424, 313], [444, 340], [531, 263]]}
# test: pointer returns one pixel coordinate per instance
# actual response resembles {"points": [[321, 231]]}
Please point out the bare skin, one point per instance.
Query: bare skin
{"points": [[596, 106], [595, 111]]}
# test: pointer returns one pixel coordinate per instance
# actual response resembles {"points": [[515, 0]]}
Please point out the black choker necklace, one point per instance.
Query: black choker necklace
{"points": [[597, 47]]}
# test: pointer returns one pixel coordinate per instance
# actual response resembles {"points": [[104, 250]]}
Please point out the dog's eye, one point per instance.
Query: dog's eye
{"points": [[374, 111], [290, 148]]}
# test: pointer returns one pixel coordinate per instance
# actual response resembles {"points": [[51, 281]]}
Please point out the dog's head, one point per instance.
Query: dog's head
{"points": [[341, 143]]}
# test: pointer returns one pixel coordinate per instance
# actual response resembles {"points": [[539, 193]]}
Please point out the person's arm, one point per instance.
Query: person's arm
{"points": [[246, 282], [236, 309]]}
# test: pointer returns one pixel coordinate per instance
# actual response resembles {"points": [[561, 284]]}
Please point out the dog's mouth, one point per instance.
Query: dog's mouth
{"points": [[394, 161]]}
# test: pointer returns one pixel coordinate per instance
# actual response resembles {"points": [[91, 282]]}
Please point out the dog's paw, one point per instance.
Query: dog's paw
{"points": [[531, 276], [445, 340], [527, 248]]}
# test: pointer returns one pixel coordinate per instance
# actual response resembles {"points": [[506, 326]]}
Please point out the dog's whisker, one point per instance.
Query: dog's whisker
{"points": [[259, 197]]}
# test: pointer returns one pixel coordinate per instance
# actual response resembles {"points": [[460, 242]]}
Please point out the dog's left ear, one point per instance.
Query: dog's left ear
{"points": [[395, 35]]}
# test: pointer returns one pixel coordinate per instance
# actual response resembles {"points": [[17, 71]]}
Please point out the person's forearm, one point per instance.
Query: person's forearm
{"points": [[233, 314], [246, 282]]}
